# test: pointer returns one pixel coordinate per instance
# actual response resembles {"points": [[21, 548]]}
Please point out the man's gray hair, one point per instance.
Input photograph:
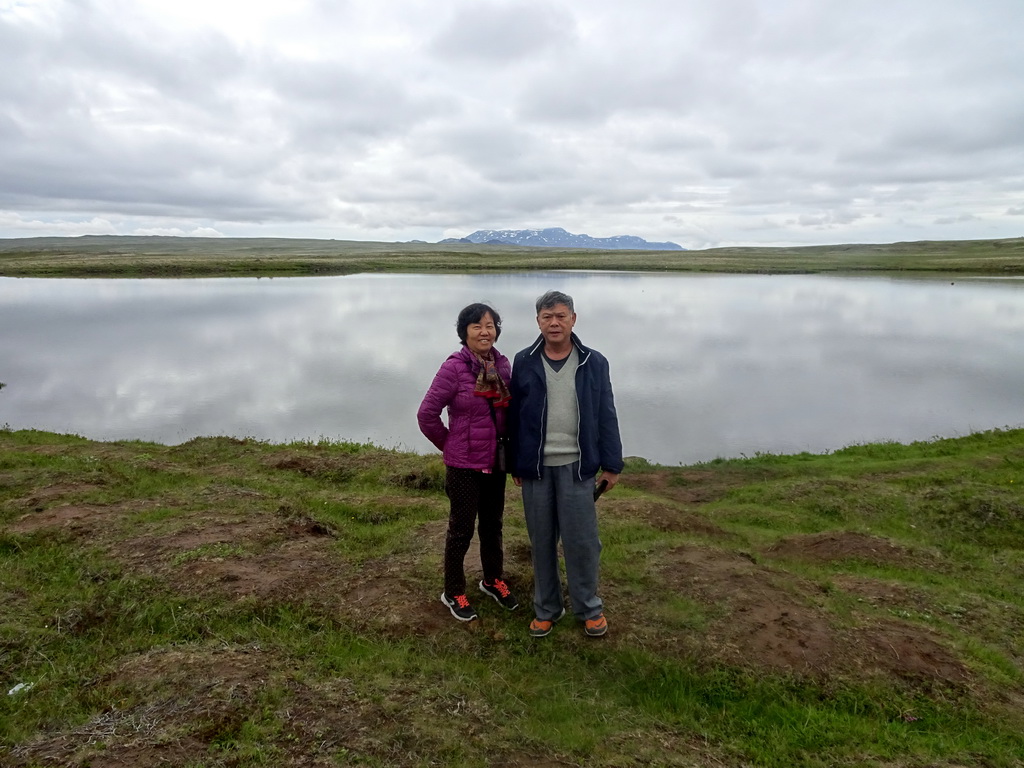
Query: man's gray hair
{"points": [[553, 298]]}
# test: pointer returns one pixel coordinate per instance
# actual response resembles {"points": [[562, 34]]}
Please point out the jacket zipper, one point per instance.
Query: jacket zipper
{"points": [[579, 418], [543, 423]]}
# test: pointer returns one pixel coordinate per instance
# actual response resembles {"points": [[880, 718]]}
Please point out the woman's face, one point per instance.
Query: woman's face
{"points": [[480, 336]]}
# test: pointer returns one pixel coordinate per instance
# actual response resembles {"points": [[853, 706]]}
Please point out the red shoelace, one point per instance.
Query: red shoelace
{"points": [[502, 587], [462, 600]]}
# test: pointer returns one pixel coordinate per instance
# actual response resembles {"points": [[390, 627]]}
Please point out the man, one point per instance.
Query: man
{"points": [[564, 431]]}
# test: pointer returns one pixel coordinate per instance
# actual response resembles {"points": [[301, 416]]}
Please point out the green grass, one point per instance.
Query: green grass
{"points": [[239, 603], [129, 256]]}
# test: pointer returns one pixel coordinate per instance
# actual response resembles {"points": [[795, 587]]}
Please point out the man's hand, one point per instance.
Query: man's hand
{"points": [[518, 481], [610, 477]]}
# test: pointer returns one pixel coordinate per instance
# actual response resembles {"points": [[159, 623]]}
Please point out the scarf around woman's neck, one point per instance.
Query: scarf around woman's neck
{"points": [[489, 383]]}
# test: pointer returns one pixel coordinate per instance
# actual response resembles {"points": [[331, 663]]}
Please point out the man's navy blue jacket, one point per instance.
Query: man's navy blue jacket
{"points": [[598, 438]]}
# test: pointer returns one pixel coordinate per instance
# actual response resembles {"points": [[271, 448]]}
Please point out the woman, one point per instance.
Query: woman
{"points": [[473, 385]]}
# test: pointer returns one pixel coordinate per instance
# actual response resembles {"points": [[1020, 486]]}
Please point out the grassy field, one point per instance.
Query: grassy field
{"points": [[237, 603], [95, 256]]}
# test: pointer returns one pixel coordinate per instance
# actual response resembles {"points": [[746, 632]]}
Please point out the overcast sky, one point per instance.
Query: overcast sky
{"points": [[704, 122]]}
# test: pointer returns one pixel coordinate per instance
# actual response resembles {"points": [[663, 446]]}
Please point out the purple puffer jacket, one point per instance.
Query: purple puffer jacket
{"points": [[469, 439]]}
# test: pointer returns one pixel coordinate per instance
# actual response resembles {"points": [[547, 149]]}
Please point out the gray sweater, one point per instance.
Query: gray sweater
{"points": [[561, 441]]}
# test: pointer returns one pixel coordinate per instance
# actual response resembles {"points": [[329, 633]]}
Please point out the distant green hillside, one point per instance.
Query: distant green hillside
{"points": [[103, 256]]}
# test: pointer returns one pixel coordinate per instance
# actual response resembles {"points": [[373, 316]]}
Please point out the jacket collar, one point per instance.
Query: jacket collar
{"points": [[538, 348]]}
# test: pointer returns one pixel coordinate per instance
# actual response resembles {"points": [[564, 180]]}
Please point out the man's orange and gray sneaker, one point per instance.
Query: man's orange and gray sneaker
{"points": [[542, 628], [596, 626], [459, 606], [499, 590]]}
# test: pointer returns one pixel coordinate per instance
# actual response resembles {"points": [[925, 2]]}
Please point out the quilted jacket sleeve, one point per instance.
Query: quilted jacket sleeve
{"points": [[439, 396]]}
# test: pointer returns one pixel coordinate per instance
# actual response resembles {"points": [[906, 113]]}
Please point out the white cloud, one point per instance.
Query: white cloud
{"points": [[743, 121], [54, 226], [178, 232]]}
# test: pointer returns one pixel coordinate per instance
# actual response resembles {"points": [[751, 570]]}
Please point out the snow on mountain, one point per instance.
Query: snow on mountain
{"points": [[556, 237]]}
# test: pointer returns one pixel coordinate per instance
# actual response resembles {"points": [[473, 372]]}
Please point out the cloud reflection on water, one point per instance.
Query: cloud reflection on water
{"points": [[703, 366]]}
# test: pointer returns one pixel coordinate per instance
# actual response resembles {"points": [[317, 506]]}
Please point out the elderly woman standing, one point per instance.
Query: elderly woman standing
{"points": [[473, 385]]}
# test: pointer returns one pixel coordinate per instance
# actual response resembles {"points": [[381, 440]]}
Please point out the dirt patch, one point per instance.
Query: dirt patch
{"points": [[384, 598], [843, 545], [759, 621], [876, 592], [40, 498], [908, 651], [766, 619], [686, 486], [335, 468], [78, 519], [663, 517], [279, 558], [159, 550], [297, 571]]}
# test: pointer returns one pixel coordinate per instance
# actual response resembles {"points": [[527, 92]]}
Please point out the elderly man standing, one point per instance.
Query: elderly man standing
{"points": [[564, 431]]}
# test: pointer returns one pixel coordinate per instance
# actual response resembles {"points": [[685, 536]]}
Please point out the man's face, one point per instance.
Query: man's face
{"points": [[556, 324]]}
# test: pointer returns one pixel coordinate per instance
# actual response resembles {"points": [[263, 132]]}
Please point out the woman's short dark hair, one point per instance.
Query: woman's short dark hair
{"points": [[472, 314]]}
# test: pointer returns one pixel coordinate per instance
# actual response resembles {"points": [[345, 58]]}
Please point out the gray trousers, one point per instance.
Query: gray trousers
{"points": [[560, 505]]}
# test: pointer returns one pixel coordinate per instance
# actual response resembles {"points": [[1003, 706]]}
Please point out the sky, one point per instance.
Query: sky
{"points": [[706, 123]]}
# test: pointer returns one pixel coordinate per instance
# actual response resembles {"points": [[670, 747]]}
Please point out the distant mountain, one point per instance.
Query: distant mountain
{"points": [[556, 237]]}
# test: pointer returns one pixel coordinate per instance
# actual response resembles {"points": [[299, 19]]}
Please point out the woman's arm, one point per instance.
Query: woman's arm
{"points": [[439, 396]]}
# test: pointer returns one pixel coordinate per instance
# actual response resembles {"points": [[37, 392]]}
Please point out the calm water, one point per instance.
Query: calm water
{"points": [[703, 366]]}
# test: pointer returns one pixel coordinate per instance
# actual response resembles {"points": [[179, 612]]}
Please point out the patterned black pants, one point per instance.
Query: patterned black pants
{"points": [[473, 495]]}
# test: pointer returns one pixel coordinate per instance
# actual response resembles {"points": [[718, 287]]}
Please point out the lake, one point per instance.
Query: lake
{"points": [[703, 366]]}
